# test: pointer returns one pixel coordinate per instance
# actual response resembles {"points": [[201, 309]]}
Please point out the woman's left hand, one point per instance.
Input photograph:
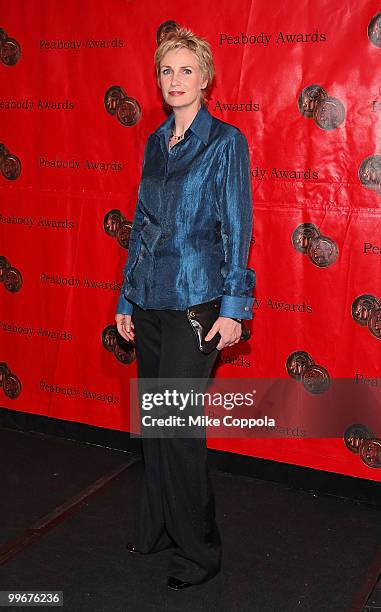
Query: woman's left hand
{"points": [[229, 330]]}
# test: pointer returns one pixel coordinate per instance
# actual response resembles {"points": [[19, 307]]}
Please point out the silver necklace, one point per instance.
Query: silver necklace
{"points": [[175, 138]]}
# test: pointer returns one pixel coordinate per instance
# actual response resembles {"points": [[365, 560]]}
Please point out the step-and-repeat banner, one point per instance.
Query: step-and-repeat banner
{"points": [[78, 100]]}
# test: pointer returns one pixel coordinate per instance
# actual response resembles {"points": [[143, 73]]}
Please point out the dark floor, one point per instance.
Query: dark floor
{"points": [[284, 550]]}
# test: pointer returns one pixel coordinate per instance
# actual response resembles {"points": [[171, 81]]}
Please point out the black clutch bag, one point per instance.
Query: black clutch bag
{"points": [[201, 317]]}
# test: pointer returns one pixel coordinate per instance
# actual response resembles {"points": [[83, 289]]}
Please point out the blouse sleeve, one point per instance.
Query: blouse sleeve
{"points": [[236, 214], [124, 306]]}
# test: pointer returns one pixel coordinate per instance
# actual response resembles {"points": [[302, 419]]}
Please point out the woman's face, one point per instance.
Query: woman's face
{"points": [[180, 78]]}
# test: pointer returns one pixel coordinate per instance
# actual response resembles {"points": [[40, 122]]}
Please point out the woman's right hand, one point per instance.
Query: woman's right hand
{"points": [[125, 326]]}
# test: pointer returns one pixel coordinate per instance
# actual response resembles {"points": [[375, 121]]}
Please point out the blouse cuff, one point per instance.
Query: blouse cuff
{"points": [[124, 306], [236, 306]]}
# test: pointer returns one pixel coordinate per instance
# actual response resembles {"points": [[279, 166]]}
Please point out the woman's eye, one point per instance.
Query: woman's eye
{"points": [[165, 71], [187, 71]]}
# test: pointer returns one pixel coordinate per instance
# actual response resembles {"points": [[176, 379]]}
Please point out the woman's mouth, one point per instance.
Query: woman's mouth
{"points": [[175, 93]]}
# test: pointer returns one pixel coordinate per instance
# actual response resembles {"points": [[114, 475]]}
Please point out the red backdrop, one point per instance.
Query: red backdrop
{"points": [[68, 159]]}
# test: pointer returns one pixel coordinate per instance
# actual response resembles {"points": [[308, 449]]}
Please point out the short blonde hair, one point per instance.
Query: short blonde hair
{"points": [[183, 37]]}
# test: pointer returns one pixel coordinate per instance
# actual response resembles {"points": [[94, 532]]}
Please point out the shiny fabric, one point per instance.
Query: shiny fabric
{"points": [[191, 231]]}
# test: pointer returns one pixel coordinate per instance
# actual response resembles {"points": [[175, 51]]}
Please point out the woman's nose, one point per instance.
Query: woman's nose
{"points": [[175, 78]]}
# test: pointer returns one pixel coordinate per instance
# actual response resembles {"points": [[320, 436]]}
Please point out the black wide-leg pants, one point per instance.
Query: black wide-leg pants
{"points": [[176, 504]]}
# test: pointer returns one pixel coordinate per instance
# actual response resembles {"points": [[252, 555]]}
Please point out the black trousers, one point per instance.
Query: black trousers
{"points": [[176, 504]]}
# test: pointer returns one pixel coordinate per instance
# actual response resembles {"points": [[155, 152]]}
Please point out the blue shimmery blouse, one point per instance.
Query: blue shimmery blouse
{"points": [[191, 231]]}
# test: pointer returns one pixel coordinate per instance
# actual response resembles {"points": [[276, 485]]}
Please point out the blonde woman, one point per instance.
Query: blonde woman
{"points": [[189, 244]]}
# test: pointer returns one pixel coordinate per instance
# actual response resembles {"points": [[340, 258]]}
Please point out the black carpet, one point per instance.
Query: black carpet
{"points": [[284, 550]]}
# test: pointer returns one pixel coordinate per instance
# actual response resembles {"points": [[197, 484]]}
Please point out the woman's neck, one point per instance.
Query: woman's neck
{"points": [[183, 118]]}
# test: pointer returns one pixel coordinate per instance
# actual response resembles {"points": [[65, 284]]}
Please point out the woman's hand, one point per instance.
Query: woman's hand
{"points": [[229, 330], [125, 326]]}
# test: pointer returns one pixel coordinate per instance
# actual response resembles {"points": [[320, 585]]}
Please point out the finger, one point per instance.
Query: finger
{"points": [[124, 332], [128, 326], [127, 336], [211, 333]]}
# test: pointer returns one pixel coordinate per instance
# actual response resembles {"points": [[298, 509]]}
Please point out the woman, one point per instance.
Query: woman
{"points": [[189, 244]]}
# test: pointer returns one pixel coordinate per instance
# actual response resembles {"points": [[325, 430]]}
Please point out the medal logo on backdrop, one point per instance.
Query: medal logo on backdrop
{"points": [[116, 225], [302, 367], [10, 165], [322, 251], [366, 311], [354, 436], [9, 382], [370, 452], [314, 103], [114, 343], [118, 104], [309, 98], [374, 30], [361, 441], [164, 29], [10, 277], [10, 49], [369, 173]]}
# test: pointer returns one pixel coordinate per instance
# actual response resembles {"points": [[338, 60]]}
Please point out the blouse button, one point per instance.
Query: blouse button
{"points": [[246, 308]]}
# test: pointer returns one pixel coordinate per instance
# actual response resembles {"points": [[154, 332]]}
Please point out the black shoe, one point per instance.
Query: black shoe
{"points": [[131, 548], [176, 584]]}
